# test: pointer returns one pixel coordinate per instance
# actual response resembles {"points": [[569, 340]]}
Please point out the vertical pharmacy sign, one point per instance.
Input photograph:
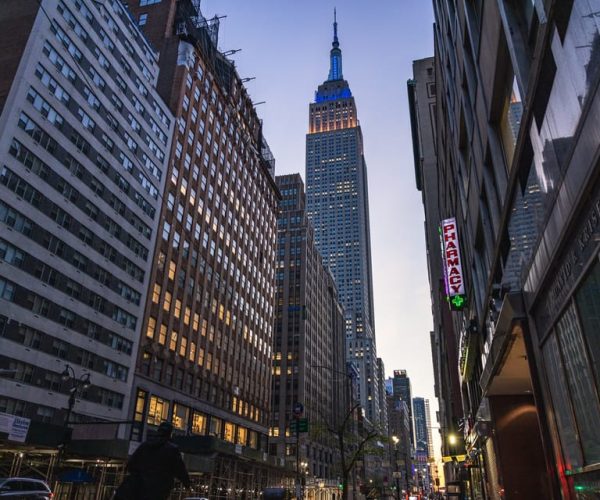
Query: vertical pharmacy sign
{"points": [[453, 274]]}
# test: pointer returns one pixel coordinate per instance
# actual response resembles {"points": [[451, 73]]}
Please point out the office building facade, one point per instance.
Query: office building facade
{"points": [[422, 93], [423, 445], [309, 364], [205, 359], [84, 137], [515, 117], [338, 206]]}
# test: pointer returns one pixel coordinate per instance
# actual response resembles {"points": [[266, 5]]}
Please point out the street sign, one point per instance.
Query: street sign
{"points": [[299, 425], [298, 410], [454, 458]]}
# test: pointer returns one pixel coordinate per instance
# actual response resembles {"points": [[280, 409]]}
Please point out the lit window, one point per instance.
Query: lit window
{"points": [[151, 327], [156, 293], [173, 341], [157, 410]]}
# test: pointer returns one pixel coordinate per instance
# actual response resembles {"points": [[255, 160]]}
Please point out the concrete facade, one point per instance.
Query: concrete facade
{"points": [[84, 138], [309, 365], [205, 361]]}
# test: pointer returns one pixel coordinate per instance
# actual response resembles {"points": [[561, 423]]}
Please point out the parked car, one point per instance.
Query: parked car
{"points": [[24, 487]]}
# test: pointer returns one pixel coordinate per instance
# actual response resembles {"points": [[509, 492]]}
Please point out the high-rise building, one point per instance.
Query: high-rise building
{"points": [[309, 364], [444, 342], [84, 137], [338, 206], [399, 430], [206, 356], [422, 432], [423, 445], [517, 150], [401, 389]]}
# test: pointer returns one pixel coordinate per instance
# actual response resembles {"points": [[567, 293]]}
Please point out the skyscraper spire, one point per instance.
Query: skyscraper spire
{"points": [[335, 56], [335, 38]]}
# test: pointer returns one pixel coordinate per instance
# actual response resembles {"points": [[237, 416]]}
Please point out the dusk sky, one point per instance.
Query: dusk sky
{"points": [[285, 45]]}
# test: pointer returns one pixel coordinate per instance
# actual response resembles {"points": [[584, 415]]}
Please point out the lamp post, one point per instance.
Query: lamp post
{"points": [[68, 375], [396, 470]]}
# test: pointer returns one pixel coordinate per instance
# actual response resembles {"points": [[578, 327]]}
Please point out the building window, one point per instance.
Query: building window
{"points": [[216, 426], [229, 434], [198, 423], [242, 435], [143, 19], [180, 416], [158, 409]]}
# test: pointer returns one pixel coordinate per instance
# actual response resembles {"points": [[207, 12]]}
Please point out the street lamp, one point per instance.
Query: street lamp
{"points": [[452, 439], [84, 380], [396, 440]]}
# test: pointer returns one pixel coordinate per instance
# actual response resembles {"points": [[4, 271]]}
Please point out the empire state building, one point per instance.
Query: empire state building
{"points": [[338, 206]]}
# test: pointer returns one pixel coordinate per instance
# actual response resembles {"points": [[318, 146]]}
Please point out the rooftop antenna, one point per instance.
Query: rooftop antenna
{"points": [[335, 37]]}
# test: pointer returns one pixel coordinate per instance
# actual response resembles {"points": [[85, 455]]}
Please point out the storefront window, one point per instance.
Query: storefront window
{"points": [[588, 303], [253, 443], [199, 423], [229, 432], [158, 409], [242, 435], [562, 407], [581, 385], [180, 416], [216, 425]]}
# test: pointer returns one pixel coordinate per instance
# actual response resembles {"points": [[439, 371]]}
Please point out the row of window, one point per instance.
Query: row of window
{"points": [[60, 281], [154, 410], [115, 125], [34, 197], [44, 342], [45, 308], [47, 379]]}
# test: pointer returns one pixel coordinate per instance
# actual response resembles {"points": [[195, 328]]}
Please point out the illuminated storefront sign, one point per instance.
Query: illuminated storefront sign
{"points": [[453, 275]]}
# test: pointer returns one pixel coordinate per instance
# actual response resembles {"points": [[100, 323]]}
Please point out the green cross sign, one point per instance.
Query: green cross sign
{"points": [[457, 302]]}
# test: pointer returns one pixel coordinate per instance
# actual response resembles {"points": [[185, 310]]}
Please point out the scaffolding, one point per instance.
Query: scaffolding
{"points": [[203, 33]]}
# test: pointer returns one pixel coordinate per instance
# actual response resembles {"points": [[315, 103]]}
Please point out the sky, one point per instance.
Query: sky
{"points": [[285, 45]]}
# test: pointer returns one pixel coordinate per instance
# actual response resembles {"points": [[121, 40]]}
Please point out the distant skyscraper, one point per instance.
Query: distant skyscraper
{"points": [[401, 389], [422, 426], [337, 203]]}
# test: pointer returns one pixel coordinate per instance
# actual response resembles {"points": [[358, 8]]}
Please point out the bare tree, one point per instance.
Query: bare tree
{"points": [[351, 442]]}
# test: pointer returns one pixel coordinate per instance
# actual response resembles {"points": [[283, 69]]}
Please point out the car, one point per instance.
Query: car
{"points": [[25, 487]]}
